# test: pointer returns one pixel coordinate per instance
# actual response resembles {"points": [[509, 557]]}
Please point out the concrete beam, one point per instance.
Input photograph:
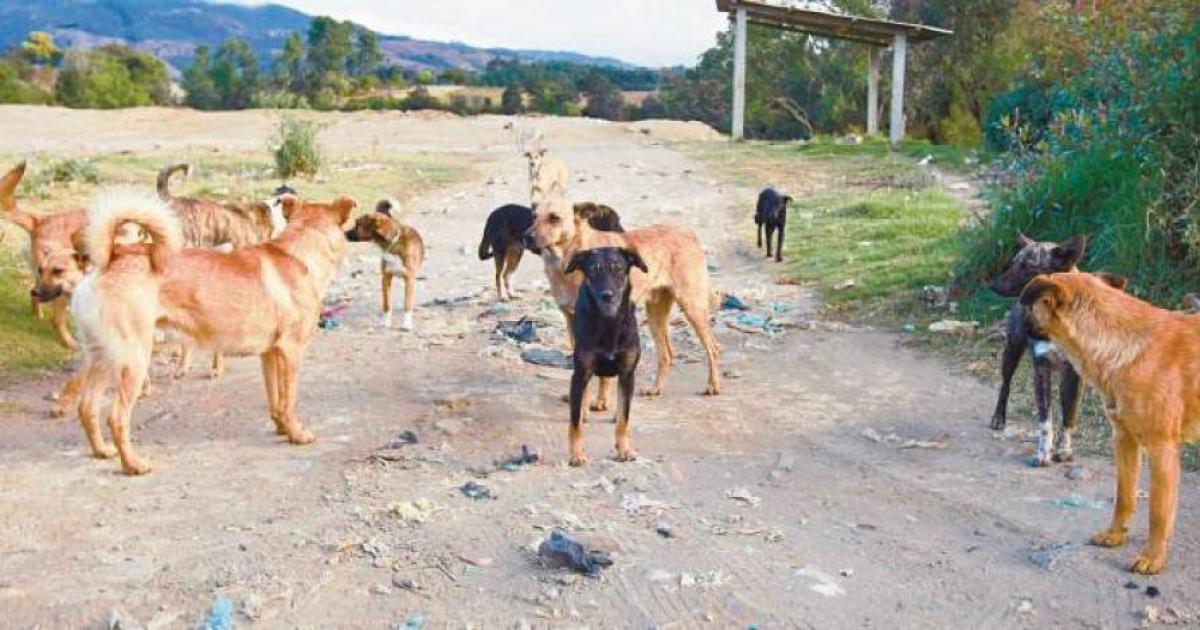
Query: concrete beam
{"points": [[739, 74], [899, 52], [872, 91]]}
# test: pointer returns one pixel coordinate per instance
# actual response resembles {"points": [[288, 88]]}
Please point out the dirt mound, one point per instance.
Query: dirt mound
{"points": [[691, 130]]}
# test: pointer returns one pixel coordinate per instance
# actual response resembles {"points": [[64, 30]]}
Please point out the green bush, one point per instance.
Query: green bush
{"points": [[112, 77], [66, 171], [297, 149]]}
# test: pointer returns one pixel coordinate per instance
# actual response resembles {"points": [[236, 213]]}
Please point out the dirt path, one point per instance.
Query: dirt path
{"points": [[835, 526]]}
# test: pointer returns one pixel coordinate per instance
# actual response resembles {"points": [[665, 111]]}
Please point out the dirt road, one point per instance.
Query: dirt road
{"points": [[838, 481]]}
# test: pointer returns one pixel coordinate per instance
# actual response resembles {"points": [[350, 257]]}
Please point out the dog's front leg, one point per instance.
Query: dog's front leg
{"points": [[770, 235], [69, 393], [1164, 497], [625, 452], [288, 375], [1070, 392], [579, 383], [779, 243], [1128, 455], [410, 287], [61, 316], [385, 281], [1014, 349], [1042, 371], [270, 372], [759, 231], [218, 366]]}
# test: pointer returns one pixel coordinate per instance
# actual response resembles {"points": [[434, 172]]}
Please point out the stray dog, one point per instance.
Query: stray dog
{"points": [[678, 273], [1143, 360], [264, 299], [502, 242], [771, 214], [1033, 259], [606, 339], [403, 253], [56, 252], [547, 176]]}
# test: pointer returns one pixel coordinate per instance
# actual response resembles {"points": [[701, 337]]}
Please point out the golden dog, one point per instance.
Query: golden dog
{"points": [[402, 254], [264, 300], [678, 273], [1144, 361]]}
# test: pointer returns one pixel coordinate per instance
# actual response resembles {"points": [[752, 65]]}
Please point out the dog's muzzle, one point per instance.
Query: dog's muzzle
{"points": [[46, 294], [530, 243]]}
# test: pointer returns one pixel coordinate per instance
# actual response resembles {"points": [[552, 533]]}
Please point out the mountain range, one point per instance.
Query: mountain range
{"points": [[172, 29]]}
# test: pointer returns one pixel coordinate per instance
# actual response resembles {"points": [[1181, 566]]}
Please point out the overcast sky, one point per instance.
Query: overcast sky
{"points": [[645, 32]]}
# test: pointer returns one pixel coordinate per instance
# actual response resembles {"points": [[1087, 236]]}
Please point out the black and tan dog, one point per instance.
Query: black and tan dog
{"points": [[1033, 259], [502, 242], [606, 339], [403, 254], [770, 214]]}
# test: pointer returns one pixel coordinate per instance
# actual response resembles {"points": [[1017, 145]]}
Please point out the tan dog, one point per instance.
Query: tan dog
{"points": [[55, 247], [263, 300], [547, 176], [403, 253], [678, 274], [1144, 361]]}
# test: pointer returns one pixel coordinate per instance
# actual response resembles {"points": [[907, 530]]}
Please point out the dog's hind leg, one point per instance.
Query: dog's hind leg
{"points": [[759, 231], [1042, 392], [658, 315], [218, 366], [270, 372], [289, 376], [770, 234], [1014, 348], [779, 244], [186, 347], [511, 261], [410, 288], [1164, 499], [697, 315], [1070, 392], [579, 385], [128, 386], [93, 380], [1128, 455], [69, 393], [625, 452], [498, 262], [385, 281]]}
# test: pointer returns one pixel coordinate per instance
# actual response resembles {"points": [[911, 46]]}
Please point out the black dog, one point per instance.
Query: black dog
{"points": [[771, 214], [606, 339], [503, 239], [1033, 259]]}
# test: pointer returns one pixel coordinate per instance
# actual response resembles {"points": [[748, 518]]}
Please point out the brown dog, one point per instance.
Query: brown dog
{"points": [[55, 247], [264, 300], [678, 273], [402, 254], [1143, 360]]}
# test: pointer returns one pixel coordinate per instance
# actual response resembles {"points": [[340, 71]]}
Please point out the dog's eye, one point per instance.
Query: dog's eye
{"points": [[554, 218], [57, 271]]}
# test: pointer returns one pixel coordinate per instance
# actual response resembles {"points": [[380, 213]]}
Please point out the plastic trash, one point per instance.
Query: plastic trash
{"points": [[475, 491], [521, 460], [221, 616], [731, 302], [521, 331], [552, 358], [560, 551]]}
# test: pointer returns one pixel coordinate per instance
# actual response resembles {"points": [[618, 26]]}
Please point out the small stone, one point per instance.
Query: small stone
{"points": [[381, 589], [1026, 607], [664, 529], [404, 582], [1133, 586], [1152, 592], [847, 573]]}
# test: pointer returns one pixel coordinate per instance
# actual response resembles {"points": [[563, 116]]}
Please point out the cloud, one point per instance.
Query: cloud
{"points": [[646, 32]]}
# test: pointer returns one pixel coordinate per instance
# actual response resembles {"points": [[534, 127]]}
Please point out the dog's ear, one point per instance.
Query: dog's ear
{"points": [[344, 205], [290, 204], [1069, 253], [384, 207], [577, 262], [787, 199], [1024, 241], [583, 207], [1113, 280], [635, 260], [1043, 289]]}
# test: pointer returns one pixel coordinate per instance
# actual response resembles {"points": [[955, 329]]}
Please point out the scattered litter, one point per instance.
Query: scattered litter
{"points": [[743, 495], [935, 295], [1026, 607], [521, 331], [848, 283], [731, 302], [664, 529], [221, 615], [1075, 501], [635, 503], [560, 551], [821, 582], [452, 404], [1133, 586], [753, 323], [658, 575], [499, 308], [403, 439], [331, 317], [415, 622], [413, 512], [545, 356], [900, 442], [703, 579], [954, 327], [381, 589], [1047, 557], [475, 491], [846, 573], [477, 561], [774, 536], [925, 160], [519, 461], [1152, 592]]}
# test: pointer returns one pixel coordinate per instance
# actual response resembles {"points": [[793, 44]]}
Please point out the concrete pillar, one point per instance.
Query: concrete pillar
{"points": [[872, 91], [739, 74], [899, 52]]}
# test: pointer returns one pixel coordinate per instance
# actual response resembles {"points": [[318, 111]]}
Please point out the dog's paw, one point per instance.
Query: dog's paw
{"points": [[214, 375], [1110, 538], [385, 320], [406, 322], [1064, 456], [57, 412], [599, 405], [301, 436], [1148, 563], [136, 467], [626, 454], [1039, 461], [578, 459], [652, 391], [998, 422], [104, 451], [712, 390]]}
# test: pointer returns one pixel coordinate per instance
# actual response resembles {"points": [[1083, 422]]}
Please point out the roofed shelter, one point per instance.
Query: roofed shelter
{"points": [[801, 17]]}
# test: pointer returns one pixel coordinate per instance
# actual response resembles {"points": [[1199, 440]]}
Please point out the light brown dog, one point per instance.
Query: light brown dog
{"points": [[1144, 362], [403, 253], [55, 247], [263, 299], [678, 274], [547, 176]]}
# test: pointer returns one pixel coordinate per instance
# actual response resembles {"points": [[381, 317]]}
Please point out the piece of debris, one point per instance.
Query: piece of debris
{"points": [[452, 404], [743, 495], [846, 573], [820, 581], [403, 439], [415, 622], [935, 295], [731, 302], [560, 551], [1047, 557], [774, 536], [848, 283], [1133, 586], [900, 442], [331, 317], [221, 615], [1152, 592], [477, 561], [635, 503], [552, 357], [1075, 502], [522, 331], [664, 529], [519, 461], [1026, 607], [476, 491], [954, 327], [413, 512], [381, 589]]}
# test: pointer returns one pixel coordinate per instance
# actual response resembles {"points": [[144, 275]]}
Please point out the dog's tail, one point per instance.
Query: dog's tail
{"points": [[117, 207], [164, 178]]}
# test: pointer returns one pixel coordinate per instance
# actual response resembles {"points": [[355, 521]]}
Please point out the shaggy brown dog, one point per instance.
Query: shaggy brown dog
{"points": [[678, 273], [263, 300], [1143, 360], [55, 248], [402, 254]]}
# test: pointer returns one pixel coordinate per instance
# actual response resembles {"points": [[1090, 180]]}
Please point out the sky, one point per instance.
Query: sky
{"points": [[645, 32]]}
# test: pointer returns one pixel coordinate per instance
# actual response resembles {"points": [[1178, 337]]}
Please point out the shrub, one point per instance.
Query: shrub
{"points": [[297, 149], [65, 171]]}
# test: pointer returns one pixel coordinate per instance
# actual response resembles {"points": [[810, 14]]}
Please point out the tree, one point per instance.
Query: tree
{"points": [[512, 101], [39, 48], [604, 99], [112, 77], [234, 73], [367, 56], [289, 67], [198, 83], [329, 46]]}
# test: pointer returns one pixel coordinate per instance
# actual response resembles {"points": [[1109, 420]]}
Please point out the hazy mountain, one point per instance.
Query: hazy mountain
{"points": [[173, 28]]}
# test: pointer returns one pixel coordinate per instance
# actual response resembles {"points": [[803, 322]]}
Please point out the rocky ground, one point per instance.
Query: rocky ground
{"points": [[839, 480]]}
